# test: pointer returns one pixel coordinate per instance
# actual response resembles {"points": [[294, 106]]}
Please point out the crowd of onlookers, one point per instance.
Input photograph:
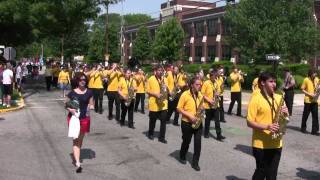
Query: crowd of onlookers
{"points": [[13, 77]]}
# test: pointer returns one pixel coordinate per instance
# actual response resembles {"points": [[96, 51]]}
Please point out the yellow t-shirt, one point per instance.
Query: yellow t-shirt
{"points": [[170, 81], [187, 103], [95, 80], [182, 80], [64, 77], [124, 84], [235, 82], [153, 86], [309, 86], [140, 83], [114, 77], [208, 89], [220, 84], [259, 111], [255, 84]]}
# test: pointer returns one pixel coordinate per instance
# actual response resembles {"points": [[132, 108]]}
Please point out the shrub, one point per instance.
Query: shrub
{"points": [[299, 80]]}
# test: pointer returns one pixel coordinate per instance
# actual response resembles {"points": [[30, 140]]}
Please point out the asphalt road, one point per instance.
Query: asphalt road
{"points": [[34, 145]]}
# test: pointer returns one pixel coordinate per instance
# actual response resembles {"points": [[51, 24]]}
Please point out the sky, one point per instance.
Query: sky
{"points": [[150, 7]]}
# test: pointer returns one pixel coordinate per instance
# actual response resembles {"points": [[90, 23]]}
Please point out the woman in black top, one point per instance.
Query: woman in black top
{"points": [[84, 96]]}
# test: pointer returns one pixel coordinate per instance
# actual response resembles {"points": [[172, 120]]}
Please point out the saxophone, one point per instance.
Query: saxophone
{"points": [[131, 94], [200, 115], [163, 90], [281, 118], [317, 92], [216, 97], [176, 90]]}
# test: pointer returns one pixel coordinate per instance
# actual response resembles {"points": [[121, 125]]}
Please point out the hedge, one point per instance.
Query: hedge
{"points": [[298, 70]]}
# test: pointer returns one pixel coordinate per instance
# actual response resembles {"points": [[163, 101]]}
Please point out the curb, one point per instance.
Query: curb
{"points": [[21, 105]]}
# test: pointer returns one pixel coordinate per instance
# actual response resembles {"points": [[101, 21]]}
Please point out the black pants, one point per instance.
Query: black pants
{"points": [[187, 132], [288, 98], [212, 114], [267, 162], [48, 82], [162, 115], [235, 96], [55, 82], [221, 109], [139, 97], [113, 97], [124, 110], [98, 99], [313, 108], [172, 107]]}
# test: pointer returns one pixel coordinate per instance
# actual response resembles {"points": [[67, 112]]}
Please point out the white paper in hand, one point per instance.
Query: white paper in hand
{"points": [[74, 126]]}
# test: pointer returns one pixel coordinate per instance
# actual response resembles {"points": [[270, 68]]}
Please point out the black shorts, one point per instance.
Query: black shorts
{"points": [[7, 89]]}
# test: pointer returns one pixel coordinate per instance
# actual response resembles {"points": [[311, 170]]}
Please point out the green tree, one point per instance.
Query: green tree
{"points": [[15, 27], [283, 27], [142, 44], [168, 41]]}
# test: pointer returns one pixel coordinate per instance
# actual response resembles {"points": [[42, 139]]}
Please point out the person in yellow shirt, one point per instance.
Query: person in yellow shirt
{"points": [[210, 94], [261, 111], [158, 107], [309, 87], [255, 86], [64, 80], [96, 85], [236, 80], [172, 104], [141, 93], [188, 105], [113, 75], [182, 79], [55, 73], [125, 83], [220, 83]]}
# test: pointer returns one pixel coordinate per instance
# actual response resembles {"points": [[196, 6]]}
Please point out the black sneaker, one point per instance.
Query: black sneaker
{"points": [[183, 160], [220, 138], [163, 141], [79, 169], [315, 133], [110, 117], [150, 137], [132, 127], [196, 167], [142, 112], [176, 124], [206, 136], [304, 131], [224, 121]]}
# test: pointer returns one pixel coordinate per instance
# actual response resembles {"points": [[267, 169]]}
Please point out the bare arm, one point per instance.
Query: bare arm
{"points": [[190, 117]]}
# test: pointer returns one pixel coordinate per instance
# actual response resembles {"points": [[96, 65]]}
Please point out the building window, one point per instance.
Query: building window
{"points": [[199, 27], [213, 27], [226, 52], [187, 52], [188, 30], [152, 34], [133, 35], [211, 53], [198, 53], [226, 28]]}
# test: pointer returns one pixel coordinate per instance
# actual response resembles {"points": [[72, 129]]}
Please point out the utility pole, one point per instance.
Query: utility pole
{"points": [[122, 36]]}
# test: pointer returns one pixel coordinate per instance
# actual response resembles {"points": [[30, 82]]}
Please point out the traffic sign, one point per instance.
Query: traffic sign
{"points": [[272, 57]]}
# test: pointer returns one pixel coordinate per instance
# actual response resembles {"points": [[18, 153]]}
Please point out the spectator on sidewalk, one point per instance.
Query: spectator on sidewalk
{"points": [[1, 84], [7, 85], [48, 76], [18, 77]]}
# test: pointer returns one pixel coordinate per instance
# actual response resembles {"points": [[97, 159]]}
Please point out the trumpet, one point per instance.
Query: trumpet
{"points": [[242, 73]]}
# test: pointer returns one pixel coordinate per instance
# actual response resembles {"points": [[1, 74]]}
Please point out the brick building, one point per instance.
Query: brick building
{"points": [[204, 27]]}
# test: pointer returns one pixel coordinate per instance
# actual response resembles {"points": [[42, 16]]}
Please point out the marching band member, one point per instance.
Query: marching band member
{"points": [[262, 110], [113, 75], [96, 85], [188, 105], [310, 88], [172, 84], [140, 95], [210, 94], [236, 80], [288, 88], [182, 79], [64, 80], [158, 102], [127, 103], [220, 83]]}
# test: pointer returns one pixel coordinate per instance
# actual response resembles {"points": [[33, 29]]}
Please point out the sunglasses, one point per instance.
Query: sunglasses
{"points": [[82, 79]]}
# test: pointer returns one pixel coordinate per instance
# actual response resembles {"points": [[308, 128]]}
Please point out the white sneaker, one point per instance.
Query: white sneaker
{"points": [[4, 104]]}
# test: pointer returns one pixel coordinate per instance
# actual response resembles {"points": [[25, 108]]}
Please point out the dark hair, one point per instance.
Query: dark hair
{"points": [[213, 72], [192, 80], [264, 76], [310, 72], [156, 67], [78, 77]]}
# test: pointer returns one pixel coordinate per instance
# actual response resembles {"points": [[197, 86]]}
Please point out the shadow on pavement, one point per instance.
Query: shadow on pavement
{"points": [[243, 148], [295, 128], [232, 177], [176, 155], [307, 174], [155, 134], [87, 154]]}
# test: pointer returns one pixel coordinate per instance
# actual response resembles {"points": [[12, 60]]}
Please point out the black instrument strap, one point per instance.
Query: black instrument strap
{"points": [[271, 105], [195, 100]]}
